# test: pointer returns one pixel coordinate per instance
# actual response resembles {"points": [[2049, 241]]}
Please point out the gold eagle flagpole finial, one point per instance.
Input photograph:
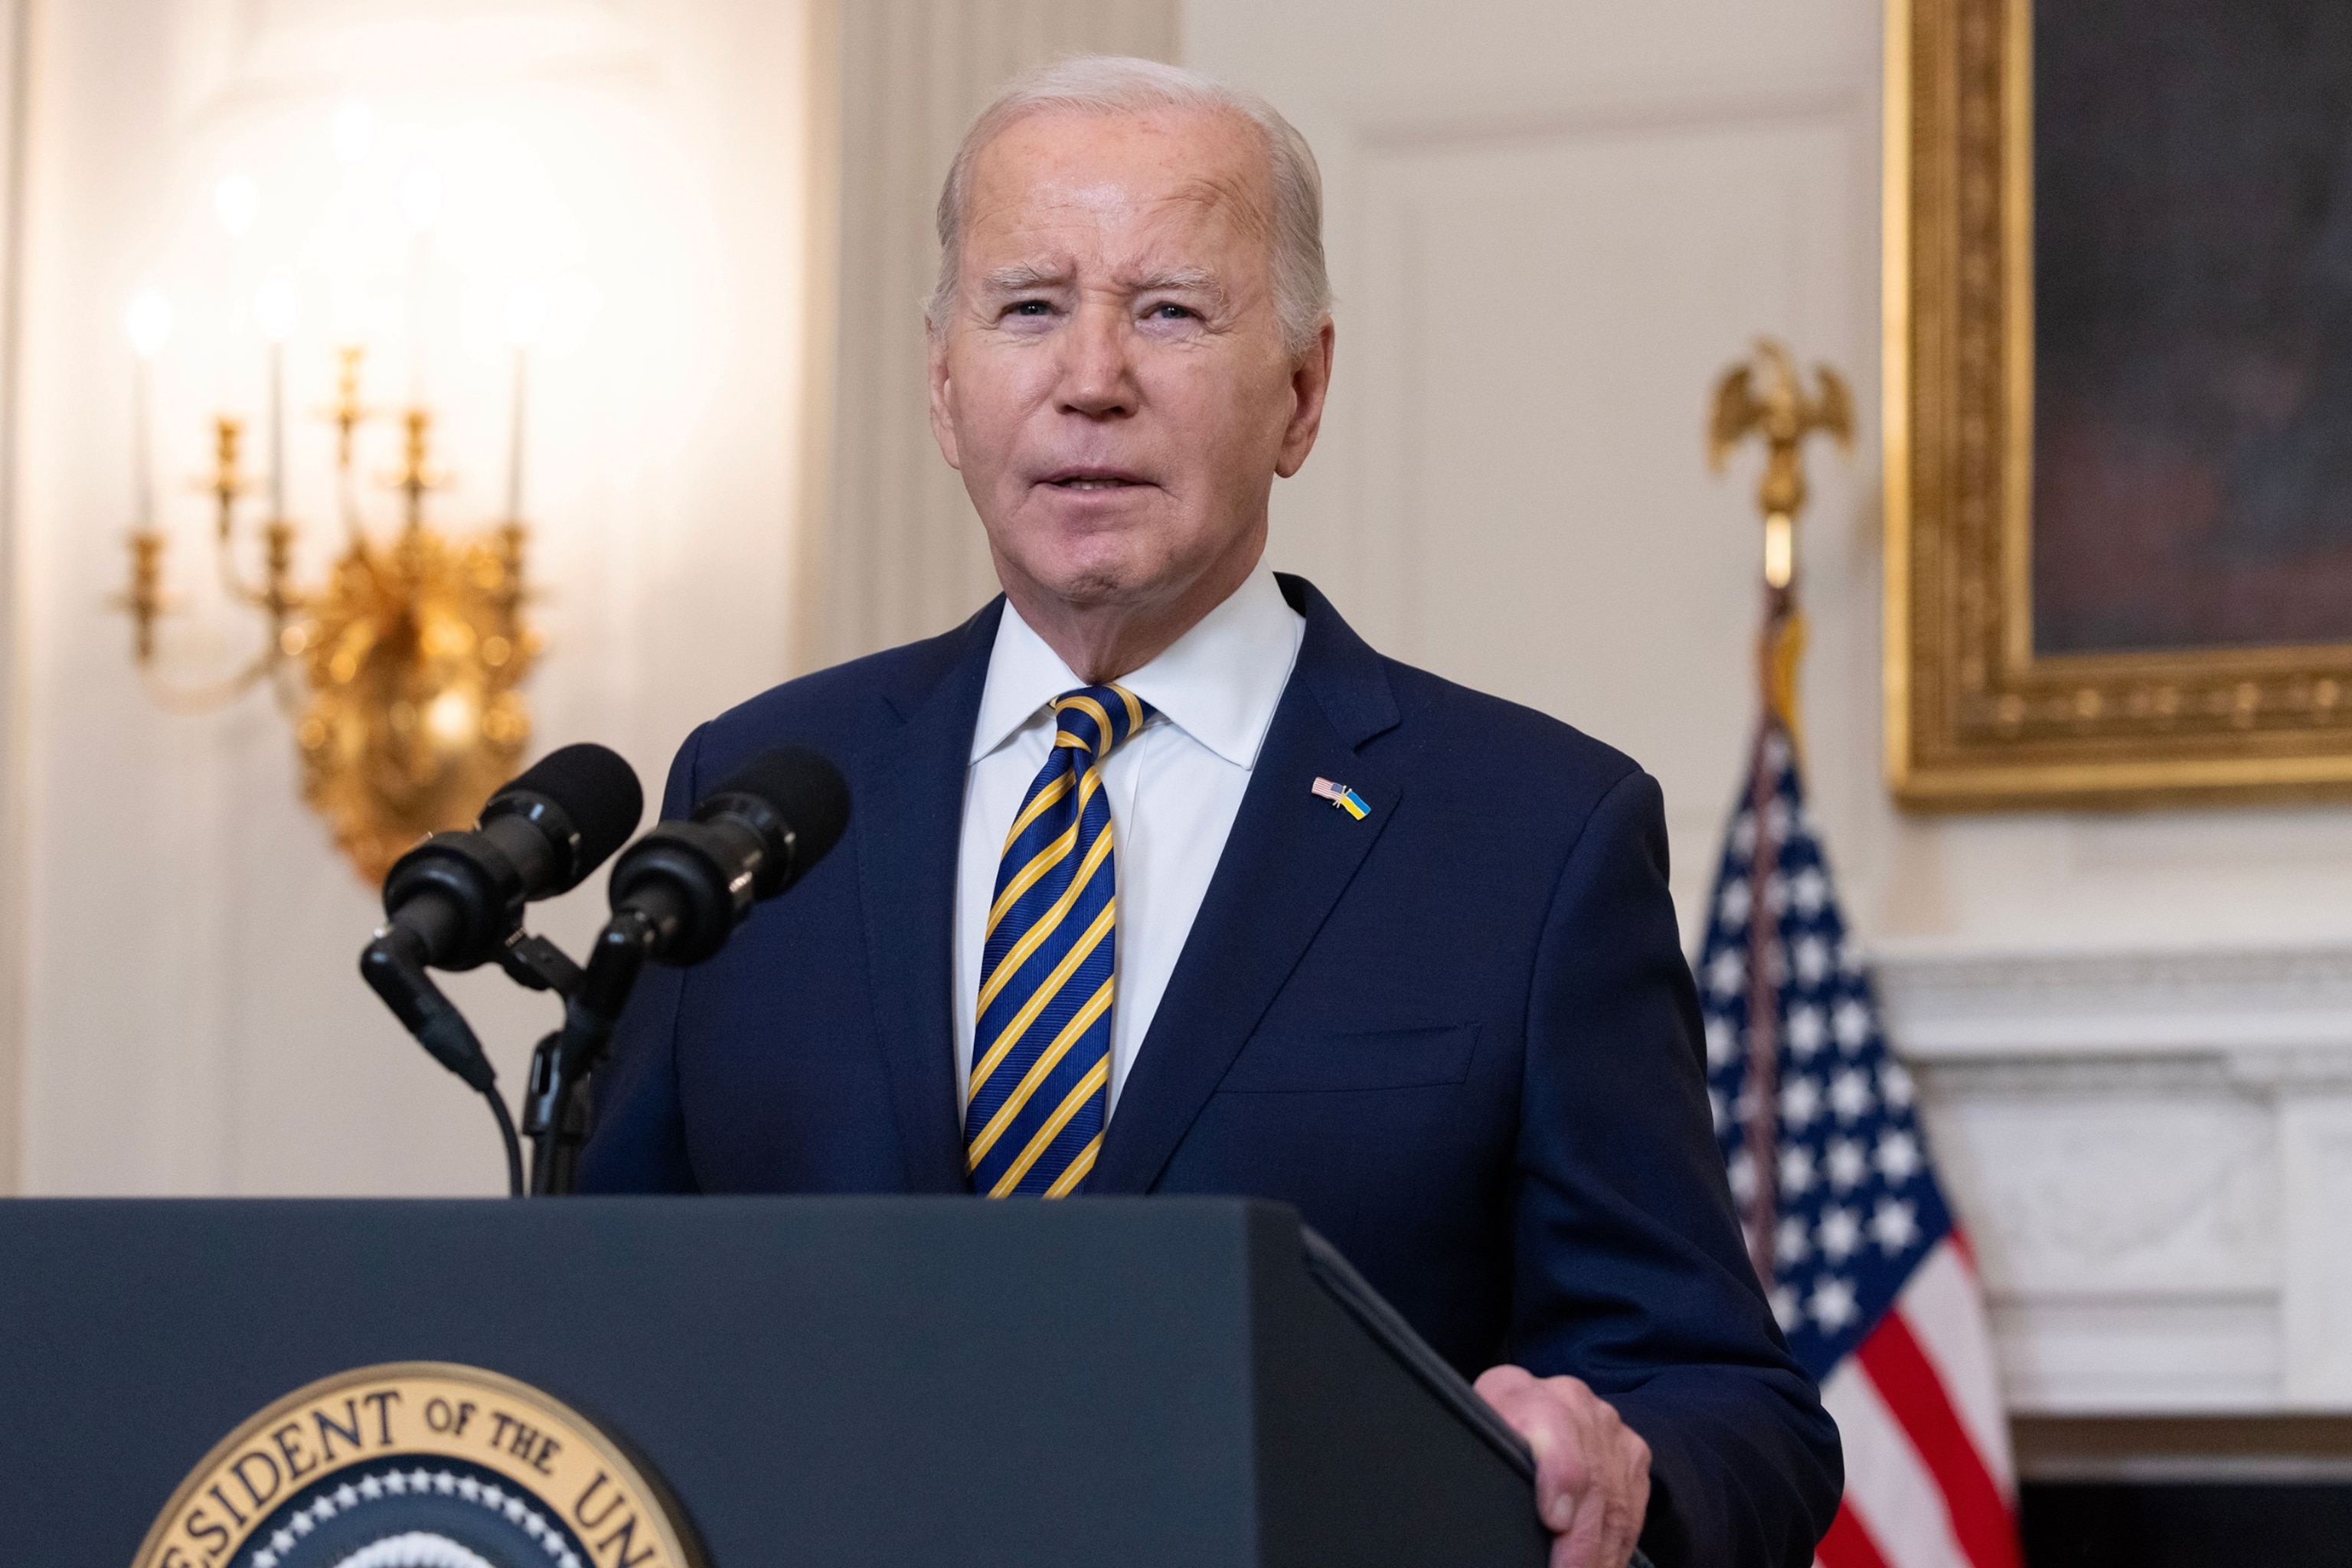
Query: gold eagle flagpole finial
{"points": [[1765, 397]]}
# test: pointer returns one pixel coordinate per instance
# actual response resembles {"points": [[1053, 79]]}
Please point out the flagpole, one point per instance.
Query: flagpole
{"points": [[1765, 397], [1759, 1113]]}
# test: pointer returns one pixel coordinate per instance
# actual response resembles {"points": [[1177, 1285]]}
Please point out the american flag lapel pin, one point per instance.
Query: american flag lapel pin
{"points": [[1343, 797]]}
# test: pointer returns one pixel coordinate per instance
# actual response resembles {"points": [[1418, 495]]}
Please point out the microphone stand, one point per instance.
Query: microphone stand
{"points": [[393, 967], [555, 1100], [555, 1103]]}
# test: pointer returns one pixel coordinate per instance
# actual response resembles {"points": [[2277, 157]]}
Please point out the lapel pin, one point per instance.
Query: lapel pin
{"points": [[1343, 797]]}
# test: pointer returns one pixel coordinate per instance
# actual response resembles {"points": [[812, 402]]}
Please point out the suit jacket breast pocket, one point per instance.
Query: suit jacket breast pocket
{"points": [[1295, 1062]]}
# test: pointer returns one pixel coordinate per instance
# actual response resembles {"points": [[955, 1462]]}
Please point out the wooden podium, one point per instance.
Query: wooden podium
{"points": [[803, 1381]]}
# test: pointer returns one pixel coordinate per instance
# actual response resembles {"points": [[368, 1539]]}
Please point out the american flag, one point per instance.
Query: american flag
{"points": [[1869, 1275]]}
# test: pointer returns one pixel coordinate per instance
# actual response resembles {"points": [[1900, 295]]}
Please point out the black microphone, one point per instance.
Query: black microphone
{"points": [[755, 836], [455, 901], [677, 894], [459, 896]]}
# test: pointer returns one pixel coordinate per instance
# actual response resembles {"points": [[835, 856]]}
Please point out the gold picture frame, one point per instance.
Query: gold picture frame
{"points": [[1975, 717]]}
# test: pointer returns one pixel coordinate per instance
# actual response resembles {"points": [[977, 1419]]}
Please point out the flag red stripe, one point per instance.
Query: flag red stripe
{"points": [[1959, 1240], [1848, 1544], [1909, 1384]]}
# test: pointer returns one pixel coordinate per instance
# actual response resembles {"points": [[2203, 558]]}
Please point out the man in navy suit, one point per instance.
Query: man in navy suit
{"points": [[1160, 881]]}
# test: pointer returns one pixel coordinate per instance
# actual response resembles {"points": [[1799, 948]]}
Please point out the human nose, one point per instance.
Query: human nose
{"points": [[1097, 375]]}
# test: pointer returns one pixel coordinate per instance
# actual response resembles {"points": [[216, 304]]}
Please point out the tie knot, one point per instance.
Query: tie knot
{"points": [[1096, 719]]}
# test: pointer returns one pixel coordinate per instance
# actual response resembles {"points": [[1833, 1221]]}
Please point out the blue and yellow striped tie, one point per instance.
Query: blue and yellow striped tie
{"points": [[1041, 1049]]}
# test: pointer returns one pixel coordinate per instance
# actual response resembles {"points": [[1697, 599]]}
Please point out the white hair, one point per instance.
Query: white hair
{"points": [[1116, 84]]}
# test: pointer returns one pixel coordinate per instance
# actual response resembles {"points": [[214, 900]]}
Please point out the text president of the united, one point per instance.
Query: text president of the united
{"points": [[1109, 919]]}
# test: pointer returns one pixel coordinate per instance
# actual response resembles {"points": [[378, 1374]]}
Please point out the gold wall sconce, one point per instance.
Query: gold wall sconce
{"points": [[400, 669]]}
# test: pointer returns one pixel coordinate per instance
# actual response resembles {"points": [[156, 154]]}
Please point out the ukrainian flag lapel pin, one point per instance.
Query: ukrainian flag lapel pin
{"points": [[1343, 797]]}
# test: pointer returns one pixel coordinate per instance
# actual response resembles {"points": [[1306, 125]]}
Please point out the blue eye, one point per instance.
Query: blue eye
{"points": [[1171, 312], [1030, 308]]}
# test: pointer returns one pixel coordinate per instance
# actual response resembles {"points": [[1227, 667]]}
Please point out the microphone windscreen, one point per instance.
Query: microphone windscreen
{"points": [[803, 789], [597, 790]]}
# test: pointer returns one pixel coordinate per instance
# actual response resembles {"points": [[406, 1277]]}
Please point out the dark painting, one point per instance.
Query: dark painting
{"points": [[2193, 481]]}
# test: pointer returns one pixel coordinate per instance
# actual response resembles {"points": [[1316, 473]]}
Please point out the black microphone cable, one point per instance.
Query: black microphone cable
{"points": [[509, 1139], [395, 972]]}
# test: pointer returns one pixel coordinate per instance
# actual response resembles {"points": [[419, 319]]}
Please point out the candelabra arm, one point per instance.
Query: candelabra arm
{"points": [[347, 414], [233, 584], [278, 596], [146, 602], [212, 696], [417, 476], [143, 599], [226, 482]]}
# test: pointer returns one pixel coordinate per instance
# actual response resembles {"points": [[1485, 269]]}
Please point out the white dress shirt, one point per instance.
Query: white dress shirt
{"points": [[1174, 789]]}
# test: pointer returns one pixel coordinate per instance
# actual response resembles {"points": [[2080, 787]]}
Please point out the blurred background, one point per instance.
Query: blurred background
{"points": [[705, 228]]}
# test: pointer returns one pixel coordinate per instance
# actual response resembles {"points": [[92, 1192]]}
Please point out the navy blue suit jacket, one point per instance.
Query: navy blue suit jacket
{"points": [[1460, 1036]]}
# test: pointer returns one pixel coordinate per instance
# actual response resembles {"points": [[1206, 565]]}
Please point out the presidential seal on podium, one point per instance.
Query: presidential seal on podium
{"points": [[417, 1464]]}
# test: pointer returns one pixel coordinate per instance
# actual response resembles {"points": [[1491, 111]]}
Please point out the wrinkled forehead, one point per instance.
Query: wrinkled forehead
{"points": [[1114, 183]]}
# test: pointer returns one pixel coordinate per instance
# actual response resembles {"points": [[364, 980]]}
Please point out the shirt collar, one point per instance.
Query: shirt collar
{"points": [[1219, 682]]}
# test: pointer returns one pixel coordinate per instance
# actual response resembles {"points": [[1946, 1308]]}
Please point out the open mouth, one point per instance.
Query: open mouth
{"points": [[1093, 479]]}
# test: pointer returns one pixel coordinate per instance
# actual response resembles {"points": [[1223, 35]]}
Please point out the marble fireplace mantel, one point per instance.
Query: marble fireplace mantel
{"points": [[2152, 1153]]}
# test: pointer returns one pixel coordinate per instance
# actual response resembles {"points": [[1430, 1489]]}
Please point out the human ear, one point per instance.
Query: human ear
{"points": [[1310, 385], [942, 398]]}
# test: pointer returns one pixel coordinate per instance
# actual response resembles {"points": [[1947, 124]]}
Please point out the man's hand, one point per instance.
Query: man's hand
{"points": [[1593, 1471]]}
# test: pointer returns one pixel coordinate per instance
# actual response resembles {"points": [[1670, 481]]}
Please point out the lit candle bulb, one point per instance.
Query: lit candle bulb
{"points": [[354, 132], [277, 308], [526, 314], [237, 201], [148, 321]]}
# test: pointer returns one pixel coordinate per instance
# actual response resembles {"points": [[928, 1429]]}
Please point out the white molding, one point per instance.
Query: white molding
{"points": [[2270, 1012], [2205, 1352]]}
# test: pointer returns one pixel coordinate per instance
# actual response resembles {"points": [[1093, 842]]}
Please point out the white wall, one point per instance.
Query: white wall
{"points": [[1552, 222], [190, 1016]]}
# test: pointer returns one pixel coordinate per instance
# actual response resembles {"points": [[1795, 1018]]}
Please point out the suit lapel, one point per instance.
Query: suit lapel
{"points": [[1289, 858], [908, 790]]}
